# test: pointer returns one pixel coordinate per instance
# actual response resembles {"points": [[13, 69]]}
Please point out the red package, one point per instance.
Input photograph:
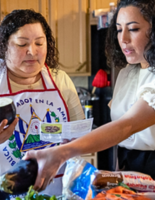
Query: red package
{"points": [[135, 180]]}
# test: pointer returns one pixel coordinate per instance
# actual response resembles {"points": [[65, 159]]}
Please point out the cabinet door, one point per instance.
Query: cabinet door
{"points": [[91, 158], [99, 4], [6, 6], [68, 21]]}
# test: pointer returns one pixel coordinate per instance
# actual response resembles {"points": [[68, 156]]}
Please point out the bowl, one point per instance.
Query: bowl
{"points": [[7, 109]]}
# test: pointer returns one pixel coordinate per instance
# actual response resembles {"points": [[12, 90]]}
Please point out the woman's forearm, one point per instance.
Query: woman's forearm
{"points": [[139, 117], [99, 139]]}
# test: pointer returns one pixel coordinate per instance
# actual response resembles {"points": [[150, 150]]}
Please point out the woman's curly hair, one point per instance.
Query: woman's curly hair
{"points": [[113, 51], [18, 18]]}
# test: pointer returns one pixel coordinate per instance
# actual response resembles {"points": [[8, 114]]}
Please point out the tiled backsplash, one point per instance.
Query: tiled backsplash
{"points": [[81, 81]]}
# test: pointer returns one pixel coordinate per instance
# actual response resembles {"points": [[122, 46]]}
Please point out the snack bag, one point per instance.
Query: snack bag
{"points": [[77, 178], [105, 180]]}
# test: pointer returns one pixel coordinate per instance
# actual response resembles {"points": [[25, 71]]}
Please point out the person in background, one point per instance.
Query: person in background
{"points": [[130, 44], [30, 76]]}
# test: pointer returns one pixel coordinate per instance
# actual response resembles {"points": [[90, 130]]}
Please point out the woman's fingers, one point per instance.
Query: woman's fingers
{"points": [[39, 183], [6, 132], [11, 127], [42, 185], [3, 124], [48, 165], [41, 180]]}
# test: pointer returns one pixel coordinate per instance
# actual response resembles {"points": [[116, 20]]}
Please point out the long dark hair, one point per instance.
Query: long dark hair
{"points": [[18, 18], [113, 51]]}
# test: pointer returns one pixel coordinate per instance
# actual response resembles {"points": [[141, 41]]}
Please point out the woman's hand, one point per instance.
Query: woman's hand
{"points": [[6, 132], [49, 161]]}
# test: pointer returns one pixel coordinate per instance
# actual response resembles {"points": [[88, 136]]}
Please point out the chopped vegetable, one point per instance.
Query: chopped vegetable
{"points": [[33, 195]]}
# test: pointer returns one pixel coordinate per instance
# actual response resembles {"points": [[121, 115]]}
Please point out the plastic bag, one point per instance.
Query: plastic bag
{"points": [[105, 180], [77, 178]]}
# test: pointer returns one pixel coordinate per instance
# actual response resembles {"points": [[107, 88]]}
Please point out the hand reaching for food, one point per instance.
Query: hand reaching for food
{"points": [[46, 170], [19, 178]]}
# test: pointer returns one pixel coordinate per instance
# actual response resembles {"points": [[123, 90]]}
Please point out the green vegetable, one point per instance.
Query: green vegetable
{"points": [[124, 185], [33, 195]]}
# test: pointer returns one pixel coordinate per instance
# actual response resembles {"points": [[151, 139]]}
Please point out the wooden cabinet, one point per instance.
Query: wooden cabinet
{"points": [[6, 6], [68, 20], [98, 4]]}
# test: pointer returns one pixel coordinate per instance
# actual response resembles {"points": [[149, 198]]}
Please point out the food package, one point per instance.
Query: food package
{"points": [[77, 179], [82, 181], [134, 180], [105, 180]]}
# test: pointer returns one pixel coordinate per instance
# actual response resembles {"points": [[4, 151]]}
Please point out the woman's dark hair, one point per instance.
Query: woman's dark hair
{"points": [[113, 51], [18, 18]]}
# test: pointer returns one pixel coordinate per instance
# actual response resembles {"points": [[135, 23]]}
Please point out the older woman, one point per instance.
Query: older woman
{"points": [[130, 44], [40, 91]]}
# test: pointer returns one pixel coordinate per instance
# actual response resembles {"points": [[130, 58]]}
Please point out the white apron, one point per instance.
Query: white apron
{"points": [[32, 106]]}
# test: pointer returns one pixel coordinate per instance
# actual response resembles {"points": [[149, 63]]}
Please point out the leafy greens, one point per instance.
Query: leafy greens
{"points": [[33, 195]]}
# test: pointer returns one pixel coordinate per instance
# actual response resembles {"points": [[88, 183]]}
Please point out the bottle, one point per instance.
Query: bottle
{"points": [[111, 13], [88, 109], [112, 6]]}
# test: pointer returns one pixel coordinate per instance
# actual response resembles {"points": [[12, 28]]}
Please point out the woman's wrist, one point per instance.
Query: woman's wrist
{"points": [[67, 151]]}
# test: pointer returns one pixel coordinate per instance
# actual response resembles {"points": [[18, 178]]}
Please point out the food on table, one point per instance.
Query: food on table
{"points": [[134, 180], [20, 177], [119, 193], [33, 195], [106, 179], [120, 189]]}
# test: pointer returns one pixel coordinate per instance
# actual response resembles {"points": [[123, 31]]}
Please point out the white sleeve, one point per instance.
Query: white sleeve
{"points": [[147, 92]]}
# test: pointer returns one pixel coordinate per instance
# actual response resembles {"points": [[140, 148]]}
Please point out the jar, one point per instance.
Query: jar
{"points": [[88, 109], [112, 6]]}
